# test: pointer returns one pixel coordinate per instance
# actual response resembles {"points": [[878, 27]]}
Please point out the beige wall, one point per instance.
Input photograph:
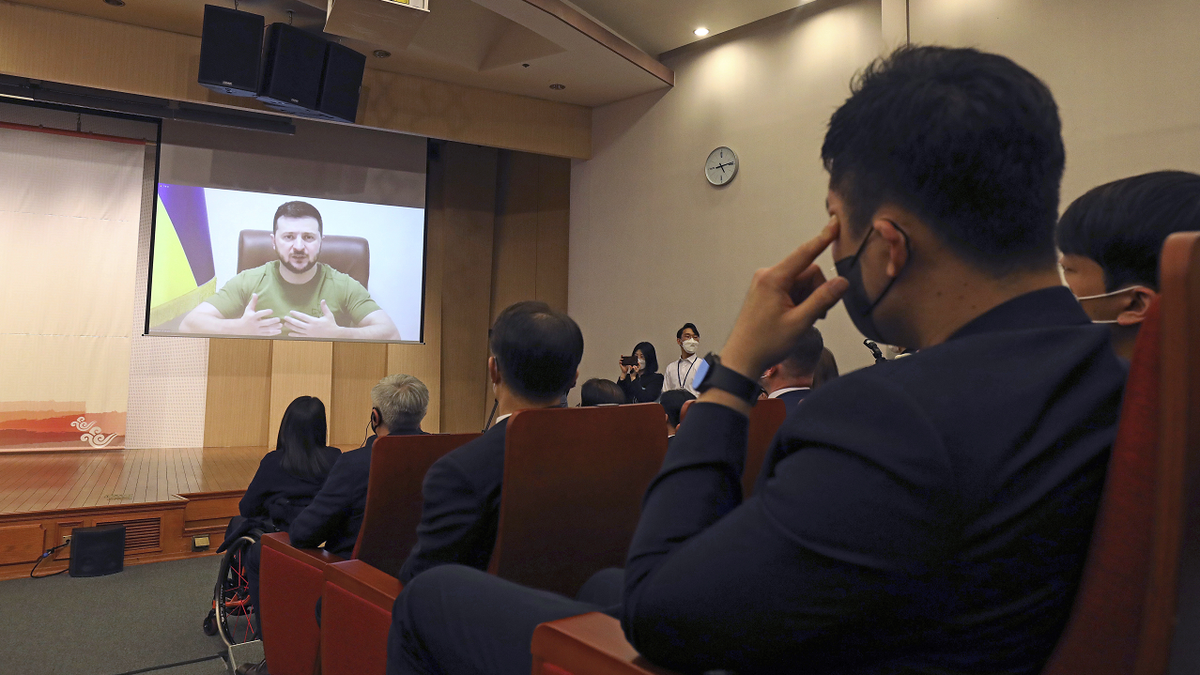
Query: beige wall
{"points": [[652, 245]]}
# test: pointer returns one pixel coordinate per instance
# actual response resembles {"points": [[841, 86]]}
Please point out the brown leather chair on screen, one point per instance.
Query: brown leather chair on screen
{"points": [[349, 255], [765, 419], [1129, 607], [293, 579], [573, 485]]}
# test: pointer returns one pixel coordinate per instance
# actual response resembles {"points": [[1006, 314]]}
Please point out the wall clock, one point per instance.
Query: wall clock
{"points": [[721, 166]]}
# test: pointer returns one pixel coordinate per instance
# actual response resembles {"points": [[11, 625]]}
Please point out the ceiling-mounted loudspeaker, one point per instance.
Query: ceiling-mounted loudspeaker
{"points": [[341, 81], [231, 51], [292, 63]]}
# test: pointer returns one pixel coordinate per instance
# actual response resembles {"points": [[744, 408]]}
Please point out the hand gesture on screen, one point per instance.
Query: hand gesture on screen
{"points": [[303, 325], [257, 321]]}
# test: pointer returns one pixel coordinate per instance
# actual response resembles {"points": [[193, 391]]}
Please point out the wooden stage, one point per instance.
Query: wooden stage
{"points": [[165, 498]]}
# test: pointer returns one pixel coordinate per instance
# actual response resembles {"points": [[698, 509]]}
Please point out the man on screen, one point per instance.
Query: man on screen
{"points": [[295, 296]]}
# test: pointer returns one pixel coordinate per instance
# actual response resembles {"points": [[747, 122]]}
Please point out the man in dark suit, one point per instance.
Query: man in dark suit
{"points": [[399, 403], [925, 515], [791, 379], [534, 363], [673, 402]]}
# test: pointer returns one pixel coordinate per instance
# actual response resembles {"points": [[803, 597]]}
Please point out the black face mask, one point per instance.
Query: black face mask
{"points": [[858, 305]]}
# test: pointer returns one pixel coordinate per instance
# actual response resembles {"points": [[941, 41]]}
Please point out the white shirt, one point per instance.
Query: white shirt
{"points": [[679, 374], [780, 392]]}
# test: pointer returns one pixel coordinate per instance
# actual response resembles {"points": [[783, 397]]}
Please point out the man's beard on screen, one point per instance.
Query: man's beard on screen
{"points": [[308, 262]]}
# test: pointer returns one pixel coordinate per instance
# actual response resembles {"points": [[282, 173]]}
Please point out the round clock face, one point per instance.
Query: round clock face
{"points": [[721, 167]]}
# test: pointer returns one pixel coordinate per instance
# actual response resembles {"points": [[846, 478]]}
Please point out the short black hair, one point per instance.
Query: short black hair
{"points": [[679, 333], [297, 210], [969, 142], [805, 354], [826, 369], [537, 350], [1122, 225], [598, 391], [651, 357], [672, 402]]}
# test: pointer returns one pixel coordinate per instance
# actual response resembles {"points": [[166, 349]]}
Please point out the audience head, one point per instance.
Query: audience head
{"points": [[672, 402], [644, 351], [598, 391], [688, 338], [942, 162], [1111, 238], [302, 437], [797, 369], [535, 353], [826, 369], [399, 402]]}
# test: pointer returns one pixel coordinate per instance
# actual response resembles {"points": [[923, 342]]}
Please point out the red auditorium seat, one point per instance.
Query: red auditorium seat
{"points": [[293, 579], [1125, 616], [573, 485]]}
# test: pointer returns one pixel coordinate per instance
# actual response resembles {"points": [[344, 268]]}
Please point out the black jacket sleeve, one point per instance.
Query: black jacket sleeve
{"points": [[846, 511], [454, 524], [253, 503], [645, 389]]}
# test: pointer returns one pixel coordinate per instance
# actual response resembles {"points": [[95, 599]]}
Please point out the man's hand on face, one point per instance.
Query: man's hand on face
{"points": [[303, 325], [257, 321], [783, 302]]}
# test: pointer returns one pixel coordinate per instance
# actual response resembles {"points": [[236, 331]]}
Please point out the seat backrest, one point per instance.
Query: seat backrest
{"points": [[398, 467], [1122, 620], [349, 255], [765, 419], [573, 485]]}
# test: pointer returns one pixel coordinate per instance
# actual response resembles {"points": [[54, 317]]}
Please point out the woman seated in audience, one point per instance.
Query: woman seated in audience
{"points": [[597, 391], [289, 476], [642, 383]]}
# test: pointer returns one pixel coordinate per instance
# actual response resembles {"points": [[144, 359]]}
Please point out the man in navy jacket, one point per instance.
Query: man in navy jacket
{"points": [[791, 379], [399, 403], [927, 515]]}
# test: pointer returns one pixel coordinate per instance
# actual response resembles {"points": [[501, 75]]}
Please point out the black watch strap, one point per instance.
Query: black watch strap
{"points": [[730, 381]]}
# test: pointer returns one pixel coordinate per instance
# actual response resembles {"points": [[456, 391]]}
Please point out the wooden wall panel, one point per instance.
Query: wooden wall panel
{"points": [[357, 366], [21, 543], [467, 216], [514, 260], [239, 392], [44, 44], [298, 368], [553, 230]]}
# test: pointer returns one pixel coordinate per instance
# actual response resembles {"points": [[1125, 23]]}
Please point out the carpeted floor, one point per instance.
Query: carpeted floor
{"points": [[146, 617]]}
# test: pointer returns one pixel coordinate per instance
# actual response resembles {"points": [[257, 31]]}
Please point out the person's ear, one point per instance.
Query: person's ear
{"points": [[493, 372], [770, 372], [1134, 312], [897, 251]]}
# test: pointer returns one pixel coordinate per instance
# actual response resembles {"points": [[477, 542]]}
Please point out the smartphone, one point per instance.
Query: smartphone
{"points": [[629, 360]]}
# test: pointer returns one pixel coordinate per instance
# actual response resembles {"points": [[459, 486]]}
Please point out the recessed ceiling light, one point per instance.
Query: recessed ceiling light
{"points": [[558, 87], [381, 53], [701, 31], [115, 3]]}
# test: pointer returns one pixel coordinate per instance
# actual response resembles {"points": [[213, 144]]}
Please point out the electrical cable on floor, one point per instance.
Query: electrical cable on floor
{"points": [[45, 555]]}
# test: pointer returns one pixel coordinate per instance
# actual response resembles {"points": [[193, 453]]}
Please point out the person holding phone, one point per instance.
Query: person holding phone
{"points": [[640, 379]]}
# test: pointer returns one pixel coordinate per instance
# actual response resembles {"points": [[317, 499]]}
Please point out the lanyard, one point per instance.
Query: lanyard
{"points": [[683, 380]]}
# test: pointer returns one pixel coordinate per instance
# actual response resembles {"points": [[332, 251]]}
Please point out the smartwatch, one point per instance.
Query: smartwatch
{"points": [[710, 374]]}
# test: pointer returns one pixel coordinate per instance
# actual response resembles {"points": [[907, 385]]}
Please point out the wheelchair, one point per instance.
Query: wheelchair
{"points": [[233, 615]]}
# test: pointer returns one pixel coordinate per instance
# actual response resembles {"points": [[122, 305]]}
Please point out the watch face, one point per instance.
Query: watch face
{"points": [[721, 166]]}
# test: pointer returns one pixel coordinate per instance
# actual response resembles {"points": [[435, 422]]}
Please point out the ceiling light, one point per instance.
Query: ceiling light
{"points": [[701, 31], [558, 87], [115, 3], [381, 53]]}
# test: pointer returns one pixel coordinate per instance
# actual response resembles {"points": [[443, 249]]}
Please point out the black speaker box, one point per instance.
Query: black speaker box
{"points": [[291, 68], [97, 551], [340, 82], [231, 51]]}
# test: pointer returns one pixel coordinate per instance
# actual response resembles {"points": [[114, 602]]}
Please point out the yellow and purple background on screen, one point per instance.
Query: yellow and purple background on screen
{"points": [[183, 272]]}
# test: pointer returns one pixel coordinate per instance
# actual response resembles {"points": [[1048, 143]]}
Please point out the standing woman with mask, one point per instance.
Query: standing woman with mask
{"points": [[642, 383], [679, 374]]}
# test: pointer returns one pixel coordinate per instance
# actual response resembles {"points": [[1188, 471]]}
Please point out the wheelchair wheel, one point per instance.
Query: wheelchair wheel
{"points": [[210, 623], [235, 614]]}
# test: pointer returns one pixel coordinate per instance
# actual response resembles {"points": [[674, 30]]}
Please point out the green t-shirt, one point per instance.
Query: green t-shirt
{"points": [[344, 296]]}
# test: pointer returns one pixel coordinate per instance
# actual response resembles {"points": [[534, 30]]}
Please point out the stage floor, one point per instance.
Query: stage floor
{"points": [[52, 481]]}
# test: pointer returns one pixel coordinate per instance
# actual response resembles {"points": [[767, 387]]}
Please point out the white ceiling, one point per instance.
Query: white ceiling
{"points": [[657, 26]]}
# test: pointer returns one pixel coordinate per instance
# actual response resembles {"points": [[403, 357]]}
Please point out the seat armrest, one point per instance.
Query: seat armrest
{"points": [[378, 588], [314, 557], [588, 644]]}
